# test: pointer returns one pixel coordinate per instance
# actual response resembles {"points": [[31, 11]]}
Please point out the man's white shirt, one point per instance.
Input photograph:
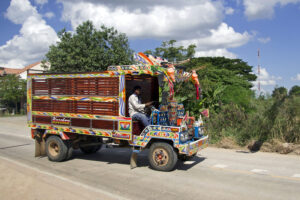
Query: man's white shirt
{"points": [[135, 105]]}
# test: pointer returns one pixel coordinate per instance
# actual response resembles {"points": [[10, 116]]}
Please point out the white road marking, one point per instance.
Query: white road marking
{"points": [[189, 162], [259, 171], [220, 166], [296, 176], [64, 179]]}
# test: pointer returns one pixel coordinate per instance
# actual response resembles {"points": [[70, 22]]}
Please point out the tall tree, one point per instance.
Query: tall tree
{"points": [[89, 49], [237, 66], [295, 90], [279, 92], [169, 50], [12, 91]]}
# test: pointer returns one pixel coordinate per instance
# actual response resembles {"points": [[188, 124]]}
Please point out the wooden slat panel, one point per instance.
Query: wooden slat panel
{"points": [[80, 122], [102, 86], [97, 108], [101, 124], [41, 119]]}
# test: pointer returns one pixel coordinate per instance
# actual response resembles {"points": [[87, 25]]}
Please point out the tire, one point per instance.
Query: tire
{"points": [[70, 151], [56, 149], [90, 149], [162, 156]]}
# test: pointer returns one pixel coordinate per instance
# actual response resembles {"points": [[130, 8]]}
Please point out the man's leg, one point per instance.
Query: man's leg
{"points": [[142, 118]]}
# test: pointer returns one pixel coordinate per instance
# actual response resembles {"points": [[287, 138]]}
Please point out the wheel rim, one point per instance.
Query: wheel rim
{"points": [[53, 148], [160, 157]]}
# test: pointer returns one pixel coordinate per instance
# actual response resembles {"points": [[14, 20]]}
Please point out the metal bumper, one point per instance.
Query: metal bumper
{"points": [[193, 147]]}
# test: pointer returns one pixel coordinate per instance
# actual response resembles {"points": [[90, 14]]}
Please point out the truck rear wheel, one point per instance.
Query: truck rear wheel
{"points": [[56, 149], [162, 156]]}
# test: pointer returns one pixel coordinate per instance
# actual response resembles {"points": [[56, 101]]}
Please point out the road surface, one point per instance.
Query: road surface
{"points": [[213, 174]]}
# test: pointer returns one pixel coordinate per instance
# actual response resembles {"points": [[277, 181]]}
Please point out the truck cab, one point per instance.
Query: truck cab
{"points": [[68, 111]]}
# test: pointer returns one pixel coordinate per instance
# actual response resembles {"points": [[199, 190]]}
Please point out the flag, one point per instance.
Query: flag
{"points": [[205, 113]]}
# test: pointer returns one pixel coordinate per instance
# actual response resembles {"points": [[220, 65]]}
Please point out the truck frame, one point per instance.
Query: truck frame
{"points": [[68, 111]]}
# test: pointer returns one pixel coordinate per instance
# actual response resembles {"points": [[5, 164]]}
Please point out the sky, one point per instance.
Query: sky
{"points": [[229, 28]]}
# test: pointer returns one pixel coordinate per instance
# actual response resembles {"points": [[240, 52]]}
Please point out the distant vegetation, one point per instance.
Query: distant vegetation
{"points": [[12, 94], [235, 111]]}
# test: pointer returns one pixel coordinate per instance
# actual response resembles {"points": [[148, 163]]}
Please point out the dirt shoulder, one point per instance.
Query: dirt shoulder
{"points": [[274, 146], [19, 182]]}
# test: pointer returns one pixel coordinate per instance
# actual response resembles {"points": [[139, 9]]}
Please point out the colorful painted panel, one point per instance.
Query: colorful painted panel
{"points": [[194, 147], [29, 100], [55, 129], [122, 136], [89, 75], [83, 116], [122, 95], [77, 98], [125, 126]]}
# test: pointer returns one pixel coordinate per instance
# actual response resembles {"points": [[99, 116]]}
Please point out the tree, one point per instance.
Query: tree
{"points": [[89, 49], [237, 66], [170, 51], [12, 91], [295, 90], [279, 92]]}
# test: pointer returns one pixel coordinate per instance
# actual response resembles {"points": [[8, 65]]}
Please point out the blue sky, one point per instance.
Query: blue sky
{"points": [[232, 28]]}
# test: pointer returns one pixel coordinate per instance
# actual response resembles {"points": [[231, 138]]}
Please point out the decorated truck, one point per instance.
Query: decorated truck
{"points": [[68, 111]]}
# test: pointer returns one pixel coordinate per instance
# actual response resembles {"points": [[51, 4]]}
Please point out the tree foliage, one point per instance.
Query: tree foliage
{"points": [[89, 49], [235, 111], [279, 92], [12, 91], [295, 90], [170, 51]]}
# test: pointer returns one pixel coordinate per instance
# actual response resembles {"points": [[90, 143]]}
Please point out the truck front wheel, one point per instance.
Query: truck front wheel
{"points": [[162, 156], [56, 149]]}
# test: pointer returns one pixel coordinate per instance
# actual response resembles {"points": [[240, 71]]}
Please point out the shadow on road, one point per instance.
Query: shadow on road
{"points": [[20, 145], [122, 156]]}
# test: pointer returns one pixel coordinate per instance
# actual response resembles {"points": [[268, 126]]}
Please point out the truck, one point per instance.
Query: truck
{"points": [[85, 111]]}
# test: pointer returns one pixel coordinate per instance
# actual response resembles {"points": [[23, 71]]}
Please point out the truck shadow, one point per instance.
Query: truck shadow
{"points": [[122, 156]]}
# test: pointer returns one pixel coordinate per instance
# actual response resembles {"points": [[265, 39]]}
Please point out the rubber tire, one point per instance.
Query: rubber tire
{"points": [[70, 151], [91, 149], [173, 158], [63, 149]]}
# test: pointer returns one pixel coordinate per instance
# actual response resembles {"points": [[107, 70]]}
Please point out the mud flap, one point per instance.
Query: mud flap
{"points": [[133, 159], [40, 146]]}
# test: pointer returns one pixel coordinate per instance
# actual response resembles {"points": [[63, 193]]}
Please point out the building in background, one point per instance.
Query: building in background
{"points": [[22, 72]]}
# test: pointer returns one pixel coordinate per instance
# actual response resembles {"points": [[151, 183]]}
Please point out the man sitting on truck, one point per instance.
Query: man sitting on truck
{"points": [[136, 108]]}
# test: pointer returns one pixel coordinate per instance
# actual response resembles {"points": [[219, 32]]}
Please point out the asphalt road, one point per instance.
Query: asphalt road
{"points": [[213, 174]]}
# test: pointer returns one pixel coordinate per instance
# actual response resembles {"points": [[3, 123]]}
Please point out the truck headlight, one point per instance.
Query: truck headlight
{"points": [[184, 136]]}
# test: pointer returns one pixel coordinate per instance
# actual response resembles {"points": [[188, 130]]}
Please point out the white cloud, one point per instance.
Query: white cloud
{"points": [[222, 37], [150, 19], [229, 11], [49, 15], [215, 53], [264, 40], [297, 78], [194, 21], [34, 37], [265, 79], [41, 2], [263, 9], [218, 41]]}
